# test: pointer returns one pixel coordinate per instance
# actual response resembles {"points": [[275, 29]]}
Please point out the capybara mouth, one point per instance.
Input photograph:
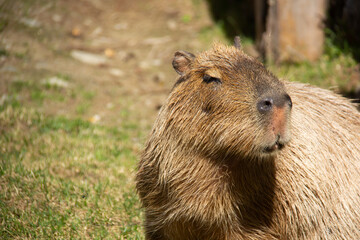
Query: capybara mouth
{"points": [[276, 146]]}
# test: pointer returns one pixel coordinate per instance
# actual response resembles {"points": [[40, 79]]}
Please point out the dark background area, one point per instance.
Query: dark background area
{"points": [[342, 23]]}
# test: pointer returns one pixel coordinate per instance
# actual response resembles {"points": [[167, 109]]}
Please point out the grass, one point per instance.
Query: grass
{"points": [[85, 104], [66, 178], [326, 72], [332, 69], [210, 34], [36, 91]]}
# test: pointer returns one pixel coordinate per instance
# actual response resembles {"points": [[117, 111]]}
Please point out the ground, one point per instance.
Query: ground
{"points": [[81, 83], [137, 38]]}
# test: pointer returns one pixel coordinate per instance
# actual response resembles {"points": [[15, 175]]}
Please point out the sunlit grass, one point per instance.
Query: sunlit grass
{"points": [[63, 178], [325, 72], [332, 70]]}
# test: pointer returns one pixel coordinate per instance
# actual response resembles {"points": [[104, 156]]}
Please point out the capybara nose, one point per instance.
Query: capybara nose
{"points": [[265, 105]]}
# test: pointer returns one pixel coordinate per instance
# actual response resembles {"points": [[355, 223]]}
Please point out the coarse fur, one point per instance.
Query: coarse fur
{"points": [[219, 166]]}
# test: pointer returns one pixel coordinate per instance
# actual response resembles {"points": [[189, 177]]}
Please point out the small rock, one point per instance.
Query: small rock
{"points": [[150, 63], [116, 72], [30, 22], [88, 58], [144, 65], [156, 62], [157, 41], [121, 170], [121, 26], [171, 24], [56, 18], [109, 105], [56, 81]]}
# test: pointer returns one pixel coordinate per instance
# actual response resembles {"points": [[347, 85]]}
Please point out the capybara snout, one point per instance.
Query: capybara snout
{"points": [[275, 110]]}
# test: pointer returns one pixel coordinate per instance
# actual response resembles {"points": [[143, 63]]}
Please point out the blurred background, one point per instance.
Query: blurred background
{"points": [[81, 83]]}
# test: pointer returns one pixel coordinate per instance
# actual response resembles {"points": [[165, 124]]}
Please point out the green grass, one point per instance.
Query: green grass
{"points": [[325, 72], [333, 69], [209, 34], [66, 178], [85, 104], [37, 92]]}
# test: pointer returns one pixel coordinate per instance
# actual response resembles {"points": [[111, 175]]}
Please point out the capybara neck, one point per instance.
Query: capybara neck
{"points": [[258, 198]]}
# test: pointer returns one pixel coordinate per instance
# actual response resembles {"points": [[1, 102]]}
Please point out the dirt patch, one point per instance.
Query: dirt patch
{"points": [[137, 39]]}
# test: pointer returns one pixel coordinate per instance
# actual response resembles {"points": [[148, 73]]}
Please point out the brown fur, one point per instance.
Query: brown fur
{"points": [[213, 167]]}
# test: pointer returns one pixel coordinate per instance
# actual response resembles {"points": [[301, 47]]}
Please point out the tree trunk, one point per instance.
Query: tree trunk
{"points": [[294, 30]]}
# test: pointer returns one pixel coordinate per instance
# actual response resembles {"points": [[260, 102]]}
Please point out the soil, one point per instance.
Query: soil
{"points": [[136, 38]]}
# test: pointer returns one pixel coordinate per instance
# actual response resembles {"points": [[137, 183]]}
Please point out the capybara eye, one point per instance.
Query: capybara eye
{"points": [[288, 98], [209, 79]]}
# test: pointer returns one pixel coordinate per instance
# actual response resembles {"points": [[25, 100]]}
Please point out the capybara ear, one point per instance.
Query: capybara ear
{"points": [[181, 61]]}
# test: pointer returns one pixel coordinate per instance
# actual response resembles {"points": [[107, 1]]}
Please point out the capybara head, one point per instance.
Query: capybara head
{"points": [[226, 102]]}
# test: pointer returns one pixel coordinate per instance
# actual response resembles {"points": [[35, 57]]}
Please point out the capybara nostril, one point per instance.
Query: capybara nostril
{"points": [[265, 105]]}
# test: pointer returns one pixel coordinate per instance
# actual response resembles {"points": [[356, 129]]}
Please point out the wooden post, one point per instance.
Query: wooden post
{"points": [[294, 30]]}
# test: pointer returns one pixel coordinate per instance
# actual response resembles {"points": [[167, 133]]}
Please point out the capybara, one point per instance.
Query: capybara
{"points": [[236, 153]]}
